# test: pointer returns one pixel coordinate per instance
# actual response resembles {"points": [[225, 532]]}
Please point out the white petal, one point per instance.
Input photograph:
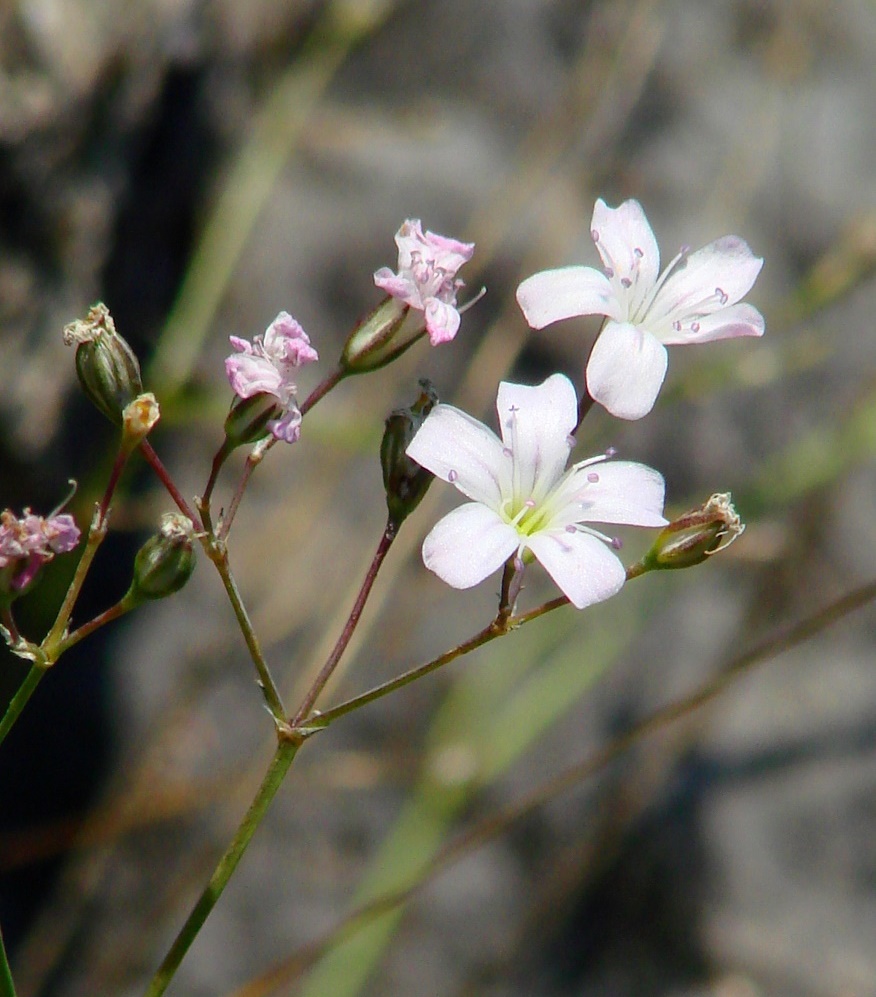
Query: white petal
{"points": [[626, 369], [626, 243], [583, 567], [469, 544], [536, 424], [553, 295], [728, 323], [459, 449], [624, 492], [709, 279]]}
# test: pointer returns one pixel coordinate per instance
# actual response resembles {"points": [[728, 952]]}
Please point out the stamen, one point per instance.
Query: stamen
{"points": [[639, 252], [452, 476], [507, 451], [609, 272], [593, 477], [610, 452], [616, 543], [695, 327], [626, 282], [723, 296], [594, 234]]}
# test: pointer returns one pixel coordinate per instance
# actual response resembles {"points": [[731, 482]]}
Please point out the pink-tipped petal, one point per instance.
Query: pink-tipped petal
{"points": [[568, 292], [459, 449], [442, 321], [583, 567], [626, 369], [468, 545]]}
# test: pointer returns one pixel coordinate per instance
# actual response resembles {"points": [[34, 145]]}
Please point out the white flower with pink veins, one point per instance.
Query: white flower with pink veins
{"points": [[696, 299], [524, 501]]}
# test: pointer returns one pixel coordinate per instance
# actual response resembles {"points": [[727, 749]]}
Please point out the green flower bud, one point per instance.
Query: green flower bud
{"points": [[405, 481], [248, 418], [376, 340], [693, 537], [165, 562], [107, 368]]}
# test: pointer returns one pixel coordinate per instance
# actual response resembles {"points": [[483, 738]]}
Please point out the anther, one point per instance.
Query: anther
{"points": [[593, 477], [639, 252], [452, 476], [616, 543], [594, 234], [723, 296], [695, 327], [626, 282]]}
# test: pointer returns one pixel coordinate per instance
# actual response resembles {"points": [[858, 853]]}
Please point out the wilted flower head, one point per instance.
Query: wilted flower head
{"points": [[29, 542], [694, 300], [266, 366], [426, 278], [524, 499]]}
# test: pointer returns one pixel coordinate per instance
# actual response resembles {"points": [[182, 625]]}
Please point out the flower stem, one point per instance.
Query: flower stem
{"points": [[283, 757], [20, 699], [389, 534], [498, 628], [218, 554], [322, 389], [96, 533], [123, 606], [7, 987], [154, 461]]}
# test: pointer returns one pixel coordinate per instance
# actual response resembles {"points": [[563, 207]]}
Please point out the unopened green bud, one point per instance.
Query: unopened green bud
{"points": [[404, 480], [248, 418], [693, 537], [378, 339], [165, 562], [107, 368]]}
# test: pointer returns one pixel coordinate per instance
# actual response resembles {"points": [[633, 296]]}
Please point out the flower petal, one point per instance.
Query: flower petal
{"points": [[737, 320], [625, 370], [468, 544], [459, 449], [442, 321], [250, 374], [624, 492], [553, 295], [536, 424], [712, 278], [582, 566], [628, 248]]}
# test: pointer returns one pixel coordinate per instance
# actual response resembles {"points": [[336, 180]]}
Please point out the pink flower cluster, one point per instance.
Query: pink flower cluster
{"points": [[426, 278], [29, 542], [267, 366]]}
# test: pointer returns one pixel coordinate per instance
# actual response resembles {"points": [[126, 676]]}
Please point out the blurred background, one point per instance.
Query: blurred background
{"points": [[200, 165]]}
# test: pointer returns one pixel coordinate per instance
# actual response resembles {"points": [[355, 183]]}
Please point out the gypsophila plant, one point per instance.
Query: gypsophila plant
{"points": [[532, 503]]}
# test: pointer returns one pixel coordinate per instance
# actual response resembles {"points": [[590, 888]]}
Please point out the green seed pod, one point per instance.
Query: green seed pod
{"points": [[165, 562], [404, 480], [107, 367], [695, 536]]}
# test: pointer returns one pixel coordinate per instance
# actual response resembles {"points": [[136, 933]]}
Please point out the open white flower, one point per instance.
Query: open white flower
{"points": [[694, 300], [524, 498]]}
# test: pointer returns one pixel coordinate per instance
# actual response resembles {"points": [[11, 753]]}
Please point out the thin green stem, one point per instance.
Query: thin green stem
{"points": [[218, 554], [498, 628], [123, 606], [389, 534], [20, 699], [96, 533], [283, 757], [7, 987]]}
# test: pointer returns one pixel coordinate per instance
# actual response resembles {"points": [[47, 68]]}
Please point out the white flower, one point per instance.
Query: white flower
{"points": [[524, 498], [695, 300]]}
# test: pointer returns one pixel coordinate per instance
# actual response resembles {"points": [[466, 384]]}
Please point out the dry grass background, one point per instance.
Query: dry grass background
{"points": [[200, 167]]}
